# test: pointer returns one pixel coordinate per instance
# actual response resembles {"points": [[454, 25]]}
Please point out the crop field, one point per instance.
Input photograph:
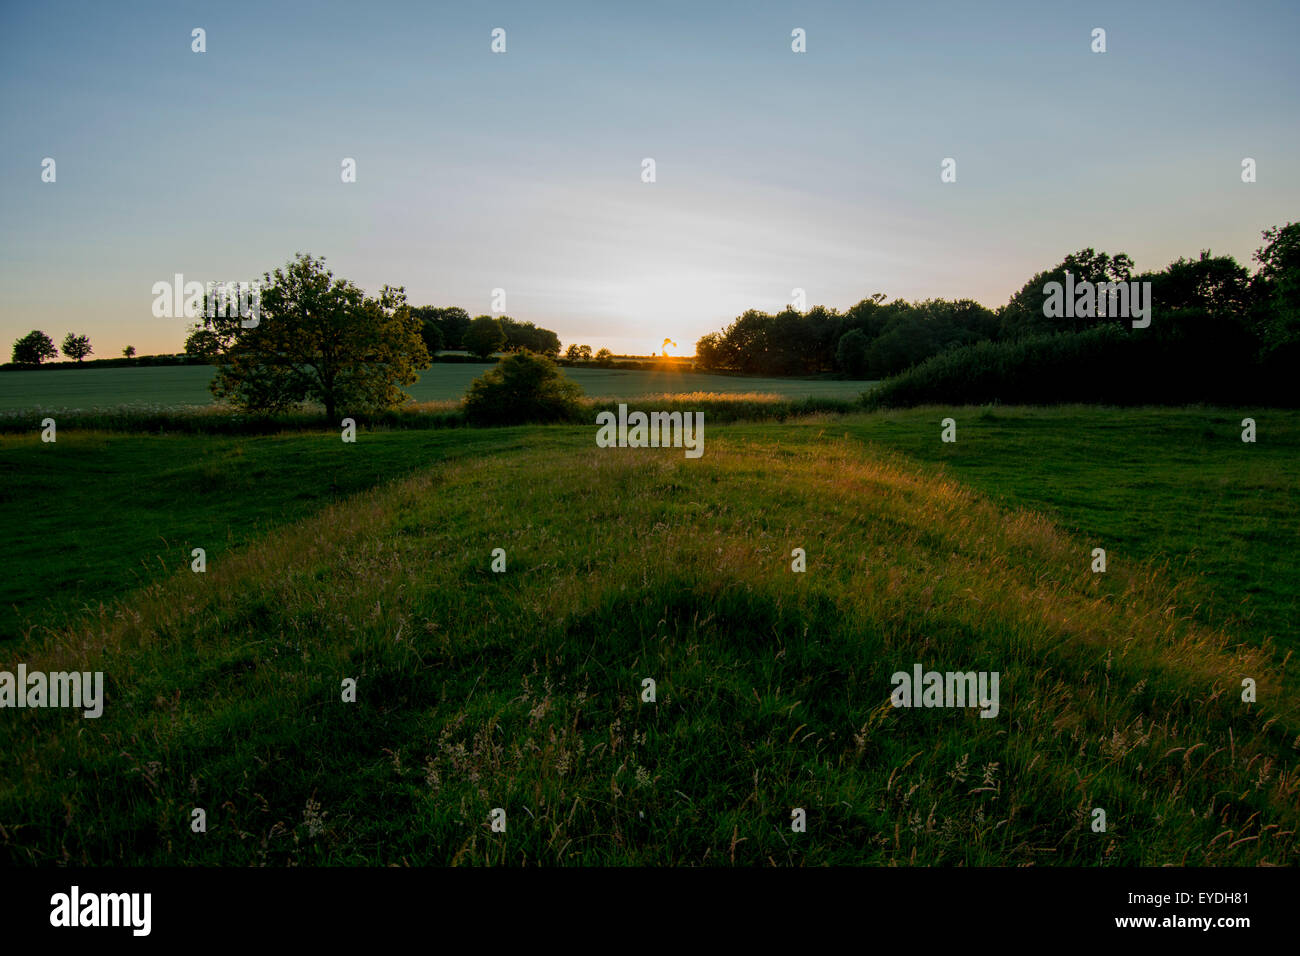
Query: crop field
{"points": [[188, 385]]}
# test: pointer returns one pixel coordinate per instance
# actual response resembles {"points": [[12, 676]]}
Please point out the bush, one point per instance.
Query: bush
{"points": [[1107, 365], [523, 387], [1042, 369]]}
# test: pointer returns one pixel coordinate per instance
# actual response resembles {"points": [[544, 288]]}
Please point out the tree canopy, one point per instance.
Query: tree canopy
{"points": [[524, 336], [34, 348], [76, 346], [317, 339], [484, 336], [442, 326], [1210, 310], [1276, 288]]}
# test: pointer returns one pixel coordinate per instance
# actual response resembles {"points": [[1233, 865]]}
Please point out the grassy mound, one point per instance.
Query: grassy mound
{"points": [[522, 690]]}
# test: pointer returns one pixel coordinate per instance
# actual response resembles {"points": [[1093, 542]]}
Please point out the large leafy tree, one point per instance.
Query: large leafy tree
{"points": [[34, 348], [319, 339]]}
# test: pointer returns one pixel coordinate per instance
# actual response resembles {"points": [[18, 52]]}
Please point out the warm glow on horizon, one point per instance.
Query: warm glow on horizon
{"points": [[542, 201]]}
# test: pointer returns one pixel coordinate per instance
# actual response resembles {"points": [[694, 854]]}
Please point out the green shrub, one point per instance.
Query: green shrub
{"points": [[523, 387], [1108, 365]]}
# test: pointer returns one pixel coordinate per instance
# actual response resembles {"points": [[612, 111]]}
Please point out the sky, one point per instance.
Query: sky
{"points": [[522, 170]]}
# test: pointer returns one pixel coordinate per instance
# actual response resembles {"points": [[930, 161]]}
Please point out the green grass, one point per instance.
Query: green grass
{"points": [[1176, 486], [521, 690], [188, 385], [93, 515]]}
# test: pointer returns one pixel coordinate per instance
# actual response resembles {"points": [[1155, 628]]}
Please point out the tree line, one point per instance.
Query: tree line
{"points": [[36, 347], [450, 328], [1210, 304], [322, 339]]}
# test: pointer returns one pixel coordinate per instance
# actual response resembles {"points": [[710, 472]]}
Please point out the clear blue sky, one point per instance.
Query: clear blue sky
{"points": [[477, 170]]}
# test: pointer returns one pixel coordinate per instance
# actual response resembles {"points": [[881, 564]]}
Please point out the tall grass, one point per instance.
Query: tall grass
{"points": [[522, 690], [719, 408]]}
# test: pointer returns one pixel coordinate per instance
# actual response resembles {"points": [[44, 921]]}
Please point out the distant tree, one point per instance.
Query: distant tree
{"points": [[129, 351], [821, 330], [202, 342], [1201, 319], [892, 336], [903, 344], [318, 339], [578, 353], [605, 357], [747, 340], [708, 351], [522, 387], [432, 335], [76, 346], [1023, 315], [548, 343], [790, 349], [34, 348], [1215, 285], [484, 336], [851, 353], [524, 336], [870, 315], [451, 323]]}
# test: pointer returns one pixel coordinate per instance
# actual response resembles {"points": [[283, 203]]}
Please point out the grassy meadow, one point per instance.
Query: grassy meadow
{"points": [[522, 690]]}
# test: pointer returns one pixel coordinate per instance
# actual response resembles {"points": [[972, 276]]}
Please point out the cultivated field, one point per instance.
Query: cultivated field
{"points": [[188, 385], [522, 689]]}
